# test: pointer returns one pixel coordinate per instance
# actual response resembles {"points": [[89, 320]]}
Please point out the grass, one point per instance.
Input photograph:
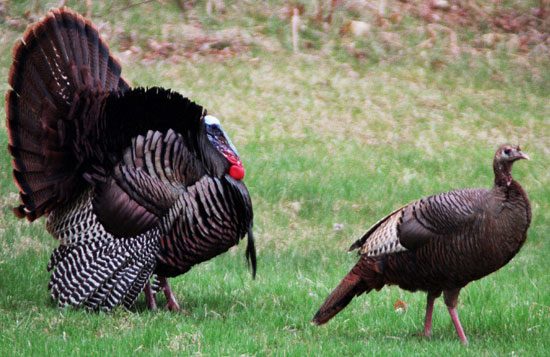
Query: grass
{"points": [[325, 140], [228, 314]]}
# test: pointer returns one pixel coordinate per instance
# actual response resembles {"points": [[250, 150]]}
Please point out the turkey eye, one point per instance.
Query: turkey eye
{"points": [[507, 152]]}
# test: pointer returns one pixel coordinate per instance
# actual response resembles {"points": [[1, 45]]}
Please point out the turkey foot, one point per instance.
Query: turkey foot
{"points": [[171, 302]]}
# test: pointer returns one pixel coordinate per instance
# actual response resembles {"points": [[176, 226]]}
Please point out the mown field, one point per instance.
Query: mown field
{"points": [[331, 143]]}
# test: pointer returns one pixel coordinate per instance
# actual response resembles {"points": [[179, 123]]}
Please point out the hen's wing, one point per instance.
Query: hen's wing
{"points": [[419, 222]]}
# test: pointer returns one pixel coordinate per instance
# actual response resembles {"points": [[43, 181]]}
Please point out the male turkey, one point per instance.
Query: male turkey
{"points": [[441, 243], [134, 182]]}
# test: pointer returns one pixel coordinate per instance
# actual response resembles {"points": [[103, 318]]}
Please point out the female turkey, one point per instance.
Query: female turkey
{"points": [[441, 243], [134, 182]]}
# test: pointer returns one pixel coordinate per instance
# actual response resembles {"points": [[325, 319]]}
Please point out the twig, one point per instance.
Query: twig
{"points": [[181, 5], [382, 8], [295, 24], [89, 8], [110, 9], [453, 39], [134, 4], [209, 7]]}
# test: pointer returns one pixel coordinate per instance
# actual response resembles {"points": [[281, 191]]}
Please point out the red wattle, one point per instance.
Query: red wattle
{"points": [[237, 172]]}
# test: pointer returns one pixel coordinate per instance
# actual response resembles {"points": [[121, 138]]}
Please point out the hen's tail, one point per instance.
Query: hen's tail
{"points": [[61, 69], [354, 284]]}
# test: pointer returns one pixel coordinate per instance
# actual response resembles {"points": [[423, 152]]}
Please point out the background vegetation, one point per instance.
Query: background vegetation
{"points": [[380, 103]]}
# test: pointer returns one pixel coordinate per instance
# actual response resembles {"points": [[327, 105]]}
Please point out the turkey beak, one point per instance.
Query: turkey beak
{"points": [[521, 155], [225, 147]]}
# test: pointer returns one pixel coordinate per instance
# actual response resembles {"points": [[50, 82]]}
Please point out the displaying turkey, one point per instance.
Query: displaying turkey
{"points": [[134, 182], [441, 243]]}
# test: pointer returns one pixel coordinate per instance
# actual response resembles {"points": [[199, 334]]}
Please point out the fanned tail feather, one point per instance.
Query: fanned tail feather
{"points": [[57, 60]]}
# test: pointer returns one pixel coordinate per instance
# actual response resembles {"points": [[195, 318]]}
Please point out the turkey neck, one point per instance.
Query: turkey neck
{"points": [[505, 183], [503, 173], [514, 209]]}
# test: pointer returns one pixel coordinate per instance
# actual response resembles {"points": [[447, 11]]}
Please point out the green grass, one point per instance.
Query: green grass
{"points": [[227, 313], [325, 139]]}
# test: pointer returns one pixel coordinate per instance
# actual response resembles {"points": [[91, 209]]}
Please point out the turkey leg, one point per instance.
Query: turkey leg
{"points": [[429, 312], [150, 297], [171, 302], [451, 300]]}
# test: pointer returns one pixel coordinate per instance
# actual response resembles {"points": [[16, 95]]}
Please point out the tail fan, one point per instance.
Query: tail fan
{"points": [[351, 286], [58, 60]]}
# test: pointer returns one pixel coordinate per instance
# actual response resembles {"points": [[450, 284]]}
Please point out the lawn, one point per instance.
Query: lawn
{"points": [[331, 143]]}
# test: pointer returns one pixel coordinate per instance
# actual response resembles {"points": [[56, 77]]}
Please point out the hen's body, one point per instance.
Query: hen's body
{"points": [[133, 181], [440, 243], [493, 231]]}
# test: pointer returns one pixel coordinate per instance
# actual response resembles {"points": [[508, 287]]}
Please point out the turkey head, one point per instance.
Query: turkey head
{"points": [[221, 142]]}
